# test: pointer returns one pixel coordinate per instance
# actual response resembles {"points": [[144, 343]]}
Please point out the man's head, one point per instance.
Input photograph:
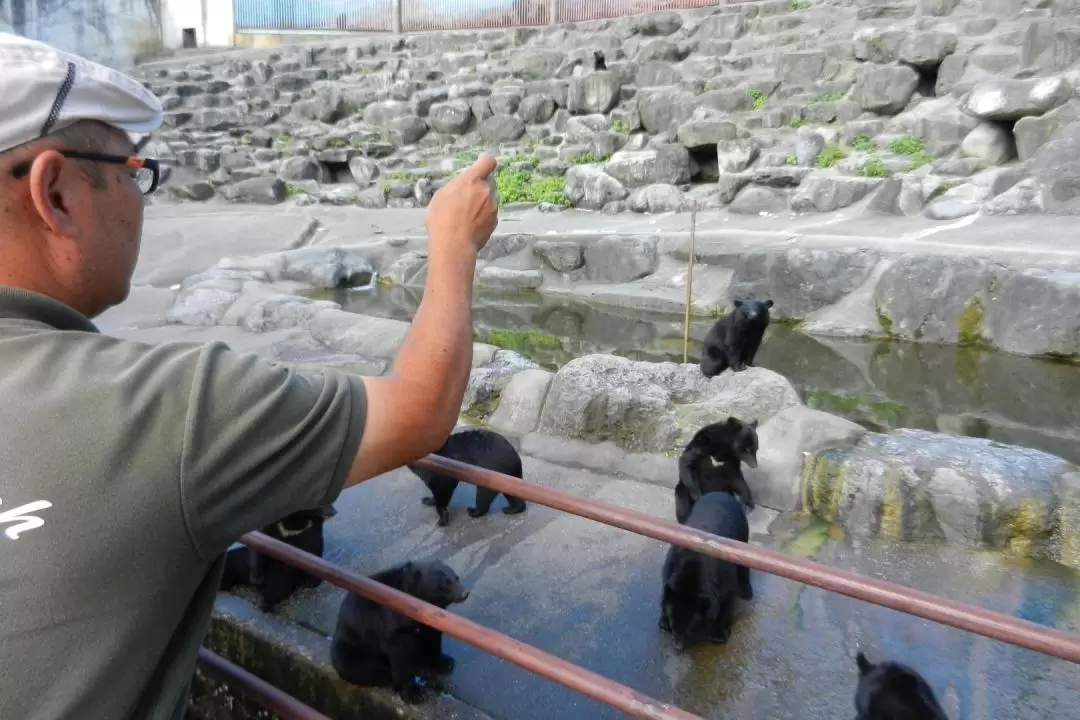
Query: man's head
{"points": [[71, 186]]}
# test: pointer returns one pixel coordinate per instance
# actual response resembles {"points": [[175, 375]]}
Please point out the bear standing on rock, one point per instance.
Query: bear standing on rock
{"points": [[734, 340], [375, 646], [892, 691], [483, 448], [698, 600], [277, 581], [728, 443]]}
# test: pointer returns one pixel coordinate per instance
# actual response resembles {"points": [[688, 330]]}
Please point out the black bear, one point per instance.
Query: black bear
{"points": [[276, 580], [482, 448], [598, 61], [728, 443], [734, 340], [892, 691], [375, 646], [698, 599]]}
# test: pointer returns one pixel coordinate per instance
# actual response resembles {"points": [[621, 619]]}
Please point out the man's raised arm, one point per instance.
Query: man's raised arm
{"points": [[411, 411]]}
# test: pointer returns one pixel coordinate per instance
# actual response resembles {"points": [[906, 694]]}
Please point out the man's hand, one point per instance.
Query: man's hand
{"points": [[464, 213]]}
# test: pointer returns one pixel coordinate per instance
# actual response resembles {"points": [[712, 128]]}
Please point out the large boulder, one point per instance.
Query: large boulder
{"points": [[486, 383], [654, 407], [920, 485]]}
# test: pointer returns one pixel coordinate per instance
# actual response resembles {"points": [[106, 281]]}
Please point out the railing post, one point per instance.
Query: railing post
{"points": [[553, 11], [397, 17]]}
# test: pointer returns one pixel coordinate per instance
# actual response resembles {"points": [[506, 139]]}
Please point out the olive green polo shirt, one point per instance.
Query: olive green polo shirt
{"points": [[126, 470]]}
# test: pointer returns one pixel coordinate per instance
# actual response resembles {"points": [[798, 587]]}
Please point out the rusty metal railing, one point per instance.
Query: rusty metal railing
{"points": [[554, 668], [980, 621], [282, 704]]}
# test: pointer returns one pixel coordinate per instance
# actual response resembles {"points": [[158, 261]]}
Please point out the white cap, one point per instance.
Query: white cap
{"points": [[43, 90]]}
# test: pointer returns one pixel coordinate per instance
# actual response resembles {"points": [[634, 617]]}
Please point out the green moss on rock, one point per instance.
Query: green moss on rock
{"points": [[884, 321], [969, 326]]}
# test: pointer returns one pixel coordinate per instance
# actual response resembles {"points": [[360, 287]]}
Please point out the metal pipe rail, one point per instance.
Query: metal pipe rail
{"points": [[282, 704], [980, 621], [554, 668]]}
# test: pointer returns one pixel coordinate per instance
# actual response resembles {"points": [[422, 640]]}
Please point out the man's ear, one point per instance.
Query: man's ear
{"points": [[50, 177]]}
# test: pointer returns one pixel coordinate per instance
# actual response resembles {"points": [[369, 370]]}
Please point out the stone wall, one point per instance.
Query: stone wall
{"points": [[906, 106]]}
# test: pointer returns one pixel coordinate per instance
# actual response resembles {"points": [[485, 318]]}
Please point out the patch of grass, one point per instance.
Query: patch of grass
{"points": [[520, 186], [919, 159], [863, 143], [466, 157], [338, 144], [830, 155], [530, 160], [586, 158], [792, 160], [797, 5], [400, 175], [283, 141], [826, 97], [907, 145], [244, 140], [292, 190], [872, 168], [520, 341], [757, 97], [797, 123], [620, 126]]}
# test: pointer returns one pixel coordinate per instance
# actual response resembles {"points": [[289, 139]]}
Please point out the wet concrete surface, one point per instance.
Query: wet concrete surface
{"points": [[589, 593]]}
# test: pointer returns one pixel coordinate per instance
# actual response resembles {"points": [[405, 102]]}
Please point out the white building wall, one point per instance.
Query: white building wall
{"points": [[115, 32]]}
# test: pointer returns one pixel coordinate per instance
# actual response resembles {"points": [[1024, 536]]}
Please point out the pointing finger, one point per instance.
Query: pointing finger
{"points": [[483, 167]]}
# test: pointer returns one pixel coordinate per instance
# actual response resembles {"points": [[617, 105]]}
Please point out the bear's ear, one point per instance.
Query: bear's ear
{"points": [[768, 303], [733, 422], [864, 665], [752, 424], [738, 303]]}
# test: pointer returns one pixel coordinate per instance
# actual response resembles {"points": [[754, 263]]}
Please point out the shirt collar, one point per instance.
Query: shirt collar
{"points": [[19, 304]]}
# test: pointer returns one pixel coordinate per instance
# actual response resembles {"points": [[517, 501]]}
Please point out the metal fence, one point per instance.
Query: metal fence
{"points": [[314, 16], [988, 623], [333, 16]]}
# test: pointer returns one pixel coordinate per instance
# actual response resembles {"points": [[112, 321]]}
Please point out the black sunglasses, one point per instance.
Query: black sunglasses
{"points": [[147, 176]]}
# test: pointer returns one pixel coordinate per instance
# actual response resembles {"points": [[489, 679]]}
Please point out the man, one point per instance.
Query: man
{"points": [[127, 469]]}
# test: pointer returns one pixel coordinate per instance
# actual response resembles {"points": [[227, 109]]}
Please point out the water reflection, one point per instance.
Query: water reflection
{"points": [[880, 385]]}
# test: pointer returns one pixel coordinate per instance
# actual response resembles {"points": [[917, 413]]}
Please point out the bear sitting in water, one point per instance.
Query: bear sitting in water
{"points": [[728, 443], [375, 646], [698, 600], [276, 580], [735, 338], [892, 691], [482, 448]]}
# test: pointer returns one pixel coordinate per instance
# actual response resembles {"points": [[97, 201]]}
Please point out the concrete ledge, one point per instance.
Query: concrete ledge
{"points": [[297, 660]]}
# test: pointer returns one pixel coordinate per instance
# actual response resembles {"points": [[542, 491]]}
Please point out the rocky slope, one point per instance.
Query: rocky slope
{"points": [[932, 106]]}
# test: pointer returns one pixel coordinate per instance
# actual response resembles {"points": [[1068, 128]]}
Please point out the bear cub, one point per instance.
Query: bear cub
{"points": [[729, 443], [892, 691], [735, 338], [482, 448], [275, 580], [698, 599], [375, 646]]}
